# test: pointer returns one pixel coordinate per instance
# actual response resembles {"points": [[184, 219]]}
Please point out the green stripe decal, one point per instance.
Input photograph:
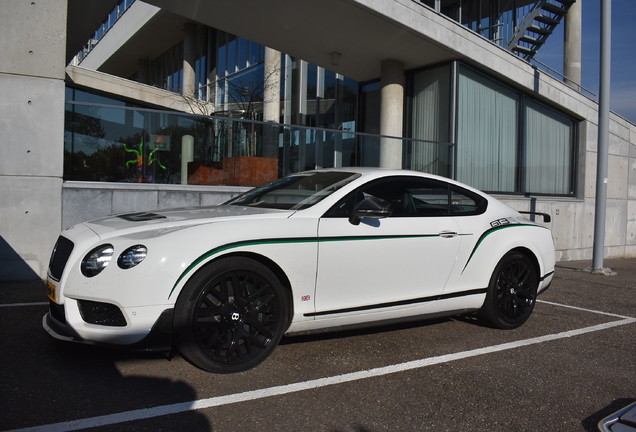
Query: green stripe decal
{"points": [[492, 230], [235, 245]]}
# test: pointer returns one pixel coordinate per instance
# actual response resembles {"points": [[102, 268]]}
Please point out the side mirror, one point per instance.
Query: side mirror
{"points": [[372, 208]]}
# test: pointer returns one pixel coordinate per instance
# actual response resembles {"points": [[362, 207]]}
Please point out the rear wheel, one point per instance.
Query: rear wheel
{"points": [[512, 292], [230, 316]]}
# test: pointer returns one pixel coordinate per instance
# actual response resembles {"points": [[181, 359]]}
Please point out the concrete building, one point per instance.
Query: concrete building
{"points": [[443, 86]]}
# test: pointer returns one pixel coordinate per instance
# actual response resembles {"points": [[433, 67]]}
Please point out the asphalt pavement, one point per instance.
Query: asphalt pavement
{"points": [[571, 364]]}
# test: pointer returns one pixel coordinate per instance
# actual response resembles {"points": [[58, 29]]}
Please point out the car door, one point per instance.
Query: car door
{"points": [[399, 260]]}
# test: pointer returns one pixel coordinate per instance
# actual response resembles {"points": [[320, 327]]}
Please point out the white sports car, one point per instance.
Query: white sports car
{"points": [[313, 251]]}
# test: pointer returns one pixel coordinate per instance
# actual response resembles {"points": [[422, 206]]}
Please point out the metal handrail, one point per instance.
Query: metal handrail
{"points": [[260, 122], [565, 78]]}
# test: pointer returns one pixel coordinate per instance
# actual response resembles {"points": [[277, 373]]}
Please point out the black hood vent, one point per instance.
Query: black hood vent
{"points": [[141, 216]]}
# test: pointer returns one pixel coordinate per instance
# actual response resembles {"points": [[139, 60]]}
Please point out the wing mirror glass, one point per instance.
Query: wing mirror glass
{"points": [[372, 208]]}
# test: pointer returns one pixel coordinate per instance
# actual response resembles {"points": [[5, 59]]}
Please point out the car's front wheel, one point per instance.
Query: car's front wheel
{"points": [[512, 292], [230, 315]]}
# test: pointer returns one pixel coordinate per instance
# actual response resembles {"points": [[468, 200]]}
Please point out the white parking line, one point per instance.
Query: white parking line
{"points": [[147, 413], [23, 304], [583, 309]]}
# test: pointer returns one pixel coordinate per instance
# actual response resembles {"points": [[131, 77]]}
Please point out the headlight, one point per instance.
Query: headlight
{"points": [[97, 260], [132, 256]]}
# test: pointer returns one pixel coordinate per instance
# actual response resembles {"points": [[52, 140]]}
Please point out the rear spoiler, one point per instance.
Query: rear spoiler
{"points": [[546, 217]]}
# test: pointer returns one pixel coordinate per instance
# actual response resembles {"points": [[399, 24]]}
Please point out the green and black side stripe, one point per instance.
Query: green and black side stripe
{"points": [[400, 303], [291, 240], [492, 230]]}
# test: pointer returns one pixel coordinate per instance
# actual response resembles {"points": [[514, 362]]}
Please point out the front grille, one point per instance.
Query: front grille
{"points": [[105, 314], [59, 257], [57, 312]]}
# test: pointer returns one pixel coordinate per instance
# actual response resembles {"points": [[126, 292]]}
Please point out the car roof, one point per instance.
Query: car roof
{"points": [[375, 172]]}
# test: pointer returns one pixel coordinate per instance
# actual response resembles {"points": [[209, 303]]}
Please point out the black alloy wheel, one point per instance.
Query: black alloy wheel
{"points": [[230, 316], [512, 292]]}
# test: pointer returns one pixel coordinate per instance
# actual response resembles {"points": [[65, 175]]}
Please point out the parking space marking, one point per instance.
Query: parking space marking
{"points": [[147, 413], [584, 309], [24, 304]]}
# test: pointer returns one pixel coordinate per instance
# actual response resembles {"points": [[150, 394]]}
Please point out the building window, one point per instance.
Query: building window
{"points": [[510, 143], [431, 108], [505, 142], [548, 159], [487, 133]]}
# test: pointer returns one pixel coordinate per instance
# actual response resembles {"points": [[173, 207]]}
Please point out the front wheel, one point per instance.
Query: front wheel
{"points": [[512, 292], [230, 316]]}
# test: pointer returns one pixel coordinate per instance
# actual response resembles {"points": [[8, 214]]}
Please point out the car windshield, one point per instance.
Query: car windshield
{"points": [[296, 191]]}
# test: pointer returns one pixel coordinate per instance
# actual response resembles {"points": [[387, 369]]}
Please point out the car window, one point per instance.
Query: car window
{"points": [[414, 197], [466, 203], [296, 191]]}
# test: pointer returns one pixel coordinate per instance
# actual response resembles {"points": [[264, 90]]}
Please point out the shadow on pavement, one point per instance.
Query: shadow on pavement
{"points": [[47, 381]]}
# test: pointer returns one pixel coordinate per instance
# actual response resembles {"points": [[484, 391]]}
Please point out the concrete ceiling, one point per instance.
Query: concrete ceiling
{"points": [[83, 17], [163, 31], [313, 29]]}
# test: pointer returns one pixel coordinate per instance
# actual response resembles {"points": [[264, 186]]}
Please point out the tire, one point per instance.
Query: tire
{"points": [[230, 315], [512, 292]]}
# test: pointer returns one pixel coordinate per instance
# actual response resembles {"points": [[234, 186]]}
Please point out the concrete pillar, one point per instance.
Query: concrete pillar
{"points": [[271, 83], [271, 100], [189, 58], [572, 46], [32, 70], [187, 156], [391, 112]]}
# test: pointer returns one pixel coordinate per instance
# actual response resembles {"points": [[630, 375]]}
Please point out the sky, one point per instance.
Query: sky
{"points": [[623, 53]]}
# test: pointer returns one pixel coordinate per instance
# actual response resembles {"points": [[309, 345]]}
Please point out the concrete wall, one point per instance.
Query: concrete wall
{"points": [[573, 219], [89, 200], [32, 52]]}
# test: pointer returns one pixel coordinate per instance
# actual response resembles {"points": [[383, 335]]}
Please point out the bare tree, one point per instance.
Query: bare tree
{"points": [[246, 94]]}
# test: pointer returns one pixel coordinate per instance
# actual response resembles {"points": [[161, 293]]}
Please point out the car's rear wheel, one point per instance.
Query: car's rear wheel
{"points": [[230, 315], [512, 292]]}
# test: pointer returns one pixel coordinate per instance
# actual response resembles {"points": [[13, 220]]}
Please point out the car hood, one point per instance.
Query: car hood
{"points": [[178, 218]]}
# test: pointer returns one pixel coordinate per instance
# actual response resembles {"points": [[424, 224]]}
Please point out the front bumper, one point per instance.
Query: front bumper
{"points": [[159, 338]]}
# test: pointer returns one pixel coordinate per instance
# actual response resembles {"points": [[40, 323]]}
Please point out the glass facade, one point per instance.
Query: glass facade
{"points": [[487, 133], [509, 143], [504, 141], [107, 141], [431, 110], [459, 122], [166, 71], [496, 20]]}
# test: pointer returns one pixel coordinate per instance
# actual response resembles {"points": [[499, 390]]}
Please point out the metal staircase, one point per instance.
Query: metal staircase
{"points": [[537, 25]]}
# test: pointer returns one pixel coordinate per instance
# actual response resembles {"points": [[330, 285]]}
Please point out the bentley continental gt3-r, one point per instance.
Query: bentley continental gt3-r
{"points": [[314, 251]]}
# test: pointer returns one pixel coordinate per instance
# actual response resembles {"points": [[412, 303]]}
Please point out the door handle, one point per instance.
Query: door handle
{"points": [[448, 234]]}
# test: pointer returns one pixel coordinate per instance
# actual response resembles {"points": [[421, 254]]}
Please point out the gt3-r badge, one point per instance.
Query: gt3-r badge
{"points": [[499, 222], [305, 298]]}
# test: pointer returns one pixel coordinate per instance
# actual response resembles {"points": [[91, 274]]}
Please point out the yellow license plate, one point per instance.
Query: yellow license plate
{"points": [[51, 293]]}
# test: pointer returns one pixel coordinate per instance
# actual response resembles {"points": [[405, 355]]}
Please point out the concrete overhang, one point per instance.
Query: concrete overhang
{"points": [[366, 32], [143, 33], [363, 32], [130, 91], [83, 18]]}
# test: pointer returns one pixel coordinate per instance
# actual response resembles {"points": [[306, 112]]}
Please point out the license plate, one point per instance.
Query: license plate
{"points": [[51, 292]]}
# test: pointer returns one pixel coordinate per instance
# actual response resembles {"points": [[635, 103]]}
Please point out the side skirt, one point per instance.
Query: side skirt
{"points": [[399, 303], [383, 322]]}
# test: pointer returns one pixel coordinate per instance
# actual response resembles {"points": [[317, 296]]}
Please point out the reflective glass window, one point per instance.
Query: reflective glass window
{"points": [[242, 53], [430, 112]]}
